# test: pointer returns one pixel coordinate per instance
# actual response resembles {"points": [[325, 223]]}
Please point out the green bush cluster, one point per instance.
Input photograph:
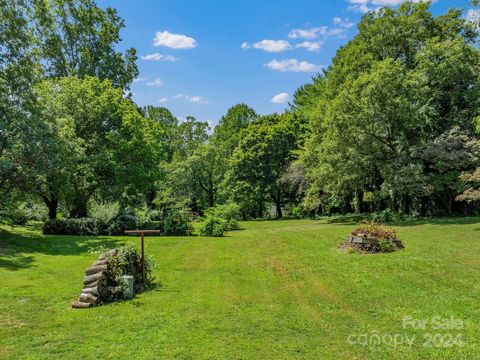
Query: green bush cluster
{"points": [[85, 226], [220, 219], [127, 261], [172, 223]]}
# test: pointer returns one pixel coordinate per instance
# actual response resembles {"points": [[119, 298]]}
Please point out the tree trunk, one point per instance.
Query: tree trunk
{"points": [[211, 195], [278, 203], [52, 205], [260, 210], [52, 209], [79, 209]]}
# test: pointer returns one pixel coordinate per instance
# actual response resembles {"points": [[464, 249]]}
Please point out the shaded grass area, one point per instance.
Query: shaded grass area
{"points": [[275, 290]]}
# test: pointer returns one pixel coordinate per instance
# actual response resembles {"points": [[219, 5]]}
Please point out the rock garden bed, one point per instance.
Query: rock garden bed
{"points": [[371, 237]]}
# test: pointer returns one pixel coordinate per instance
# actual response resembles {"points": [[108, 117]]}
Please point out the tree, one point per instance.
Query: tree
{"points": [[190, 135], [406, 79], [19, 131], [261, 158], [208, 167], [227, 132], [169, 125], [105, 148], [77, 38]]}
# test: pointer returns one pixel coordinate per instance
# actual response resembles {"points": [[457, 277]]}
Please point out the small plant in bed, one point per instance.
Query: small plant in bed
{"points": [[372, 237]]}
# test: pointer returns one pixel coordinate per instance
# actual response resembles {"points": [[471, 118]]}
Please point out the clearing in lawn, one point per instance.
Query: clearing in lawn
{"points": [[274, 290]]}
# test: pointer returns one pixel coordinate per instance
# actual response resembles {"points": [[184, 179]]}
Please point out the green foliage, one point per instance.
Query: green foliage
{"points": [[405, 88], [212, 225], [78, 38], [386, 216], [103, 212], [106, 148], [122, 222], [374, 230], [127, 261], [261, 158], [20, 132], [82, 227], [177, 220], [230, 213], [14, 213]]}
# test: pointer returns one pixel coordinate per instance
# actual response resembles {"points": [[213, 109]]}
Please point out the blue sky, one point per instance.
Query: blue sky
{"points": [[201, 57]]}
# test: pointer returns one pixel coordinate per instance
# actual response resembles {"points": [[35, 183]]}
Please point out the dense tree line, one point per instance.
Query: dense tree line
{"points": [[392, 124]]}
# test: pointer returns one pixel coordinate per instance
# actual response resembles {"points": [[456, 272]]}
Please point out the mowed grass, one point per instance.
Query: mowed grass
{"points": [[274, 290]]}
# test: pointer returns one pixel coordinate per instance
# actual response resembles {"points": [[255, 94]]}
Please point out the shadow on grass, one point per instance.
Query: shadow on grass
{"points": [[347, 219], [16, 247], [458, 220], [455, 220]]}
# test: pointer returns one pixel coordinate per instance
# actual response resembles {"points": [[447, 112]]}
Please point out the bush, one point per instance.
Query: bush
{"points": [[177, 222], [104, 212], [120, 223], [374, 230], [127, 261], [230, 213], [212, 225], [85, 226], [14, 213], [386, 216]]}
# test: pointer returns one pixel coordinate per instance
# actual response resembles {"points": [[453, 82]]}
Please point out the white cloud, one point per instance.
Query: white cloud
{"points": [[140, 79], [316, 32], [473, 15], [269, 45], [281, 98], [192, 99], [364, 6], [156, 82], [159, 57], [310, 46], [163, 100], [174, 41], [344, 23], [197, 99], [292, 65]]}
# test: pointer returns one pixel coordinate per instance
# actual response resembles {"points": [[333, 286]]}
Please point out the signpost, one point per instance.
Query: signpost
{"points": [[142, 235]]}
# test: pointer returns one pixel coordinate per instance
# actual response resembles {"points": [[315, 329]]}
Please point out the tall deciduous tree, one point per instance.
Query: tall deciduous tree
{"points": [[19, 130], [261, 158], [78, 38], [406, 79], [107, 147]]}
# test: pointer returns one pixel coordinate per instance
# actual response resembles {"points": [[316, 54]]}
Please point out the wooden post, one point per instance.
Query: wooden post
{"points": [[143, 259], [142, 246]]}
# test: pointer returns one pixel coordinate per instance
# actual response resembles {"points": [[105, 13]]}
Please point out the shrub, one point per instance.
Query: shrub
{"points": [[120, 223], [386, 216], [176, 220], [13, 213], [125, 260], [212, 225], [374, 230], [297, 212], [85, 226], [104, 212], [230, 213]]}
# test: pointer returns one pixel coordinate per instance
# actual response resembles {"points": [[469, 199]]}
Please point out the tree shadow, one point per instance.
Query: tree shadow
{"points": [[458, 220], [17, 248], [346, 219]]}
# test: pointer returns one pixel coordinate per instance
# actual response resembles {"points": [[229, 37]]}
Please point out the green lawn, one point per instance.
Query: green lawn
{"points": [[275, 290]]}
